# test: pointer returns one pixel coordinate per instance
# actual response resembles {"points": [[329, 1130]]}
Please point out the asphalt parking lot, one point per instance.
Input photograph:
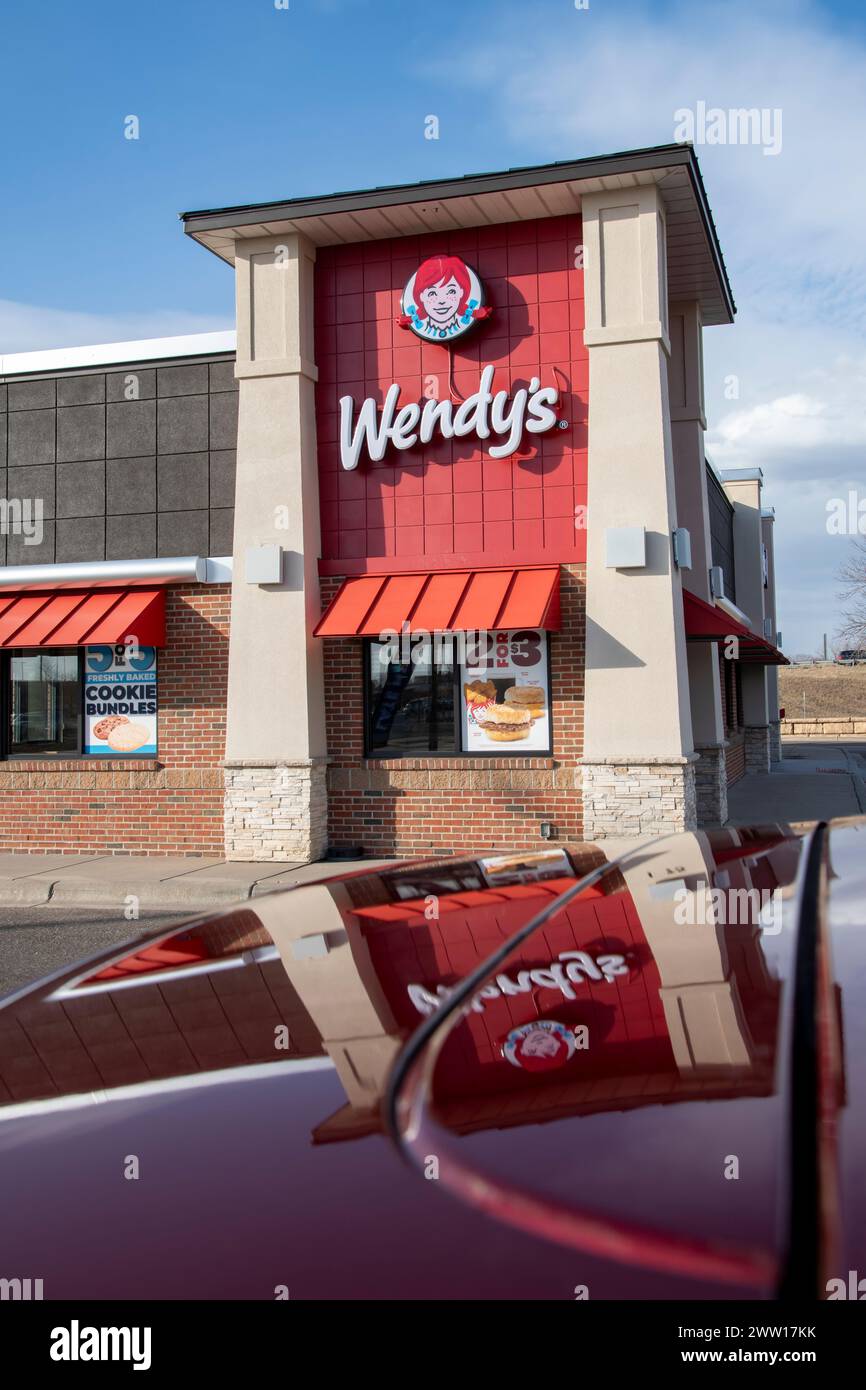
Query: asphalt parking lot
{"points": [[34, 941]]}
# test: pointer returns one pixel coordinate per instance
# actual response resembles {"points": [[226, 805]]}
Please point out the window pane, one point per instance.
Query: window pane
{"points": [[411, 703], [44, 703]]}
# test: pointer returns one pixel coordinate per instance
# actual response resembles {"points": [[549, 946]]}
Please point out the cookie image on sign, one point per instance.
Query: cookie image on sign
{"points": [[107, 725], [128, 737]]}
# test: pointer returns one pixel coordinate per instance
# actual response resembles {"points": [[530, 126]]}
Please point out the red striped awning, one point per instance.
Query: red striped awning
{"points": [[443, 601], [82, 617], [706, 623]]}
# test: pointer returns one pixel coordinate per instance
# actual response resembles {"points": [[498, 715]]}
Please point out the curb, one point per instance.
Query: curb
{"points": [[34, 892]]}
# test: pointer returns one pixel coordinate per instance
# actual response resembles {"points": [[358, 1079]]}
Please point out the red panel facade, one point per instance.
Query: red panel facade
{"points": [[629, 1038], [448, 504]]}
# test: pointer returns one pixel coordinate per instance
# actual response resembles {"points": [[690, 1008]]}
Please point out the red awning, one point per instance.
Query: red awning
{"points": [[706, 623], [82, 617], [446, 601]]}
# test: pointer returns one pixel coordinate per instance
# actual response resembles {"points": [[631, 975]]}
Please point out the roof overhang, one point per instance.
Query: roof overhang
{"points": [[696, 268]]}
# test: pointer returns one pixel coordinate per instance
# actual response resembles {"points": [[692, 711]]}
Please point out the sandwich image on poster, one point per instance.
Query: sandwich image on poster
{"points": [[505, 694], [120, 702], [528, 866]]}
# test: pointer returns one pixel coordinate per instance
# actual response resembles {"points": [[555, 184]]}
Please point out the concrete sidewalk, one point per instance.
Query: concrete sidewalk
{"points": [[94, 880], [814, 781]]}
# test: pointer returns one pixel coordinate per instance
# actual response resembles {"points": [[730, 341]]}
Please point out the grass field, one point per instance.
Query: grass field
{"points": [[831, 692]]}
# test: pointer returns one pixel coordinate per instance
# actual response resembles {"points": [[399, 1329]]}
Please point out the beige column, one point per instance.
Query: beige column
{"points": [[688, 423], [772, 672], [638, 774], [698, 989], [327, 959], [744, 492], [275, 800]]}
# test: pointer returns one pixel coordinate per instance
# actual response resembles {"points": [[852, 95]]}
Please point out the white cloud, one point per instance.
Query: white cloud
{"points": [[30, 327], [796, 428], [791, 226]]}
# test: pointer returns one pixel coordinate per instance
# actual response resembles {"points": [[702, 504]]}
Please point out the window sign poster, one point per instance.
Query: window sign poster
{"points": [[120, 701], [505, 695]]}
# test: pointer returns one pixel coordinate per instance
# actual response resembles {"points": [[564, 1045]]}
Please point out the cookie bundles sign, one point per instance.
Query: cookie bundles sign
{"points": [[120, 701]]}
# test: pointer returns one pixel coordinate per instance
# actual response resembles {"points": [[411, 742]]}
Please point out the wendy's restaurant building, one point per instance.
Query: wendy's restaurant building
{"points": [[430, 559]]}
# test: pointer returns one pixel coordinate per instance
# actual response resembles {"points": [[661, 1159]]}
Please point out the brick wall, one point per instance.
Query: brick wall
{"points": [[169, 805], [735, 752], [735, 758], [444, 805]]}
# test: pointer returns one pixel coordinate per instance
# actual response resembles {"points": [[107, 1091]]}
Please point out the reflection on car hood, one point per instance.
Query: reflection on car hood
{"points": [[199, 1114]]}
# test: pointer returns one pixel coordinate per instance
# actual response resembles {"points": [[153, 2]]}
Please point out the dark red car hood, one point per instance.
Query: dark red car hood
{"points": [[199, 1114]]}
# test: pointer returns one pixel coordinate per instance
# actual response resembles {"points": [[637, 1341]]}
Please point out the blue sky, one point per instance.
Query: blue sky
{"points": [[239, 101]]}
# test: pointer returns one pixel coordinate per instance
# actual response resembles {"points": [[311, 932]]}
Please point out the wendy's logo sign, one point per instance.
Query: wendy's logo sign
{"points": [[539, 1046], [442, 300]]}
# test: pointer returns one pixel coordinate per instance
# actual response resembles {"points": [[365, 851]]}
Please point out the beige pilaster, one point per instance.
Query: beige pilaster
{"points": [[688, 423], [772, 672], [698, 989], [638, 753], [743, 490], [275, 742]]}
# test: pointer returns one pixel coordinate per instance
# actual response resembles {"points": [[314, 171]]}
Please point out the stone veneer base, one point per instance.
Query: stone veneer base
{"points": [[638, 796], [775, 741], [276, 811], [756, 738], [711, 785]]}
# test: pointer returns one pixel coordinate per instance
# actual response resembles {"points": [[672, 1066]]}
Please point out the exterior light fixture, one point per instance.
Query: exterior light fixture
{"points": [[717, 581], [625, 548], [682, 548], [263, 564]]}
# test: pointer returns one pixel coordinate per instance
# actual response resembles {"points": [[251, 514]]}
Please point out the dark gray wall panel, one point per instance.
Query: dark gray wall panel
{"points": [[130, 486], [31, 437], [132, 461]]}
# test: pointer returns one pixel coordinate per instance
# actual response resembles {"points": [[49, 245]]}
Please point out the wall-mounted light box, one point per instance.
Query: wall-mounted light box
{"points": [[625, 547], [263, 564], [682, 542], [717, 581]]}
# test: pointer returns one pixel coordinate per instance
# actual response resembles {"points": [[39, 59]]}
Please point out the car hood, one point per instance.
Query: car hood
{"points": [[199, 1114]]}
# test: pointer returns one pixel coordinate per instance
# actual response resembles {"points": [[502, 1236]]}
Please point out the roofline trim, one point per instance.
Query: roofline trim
{"points": [[118, 354], [471, 185], [465, 186]]}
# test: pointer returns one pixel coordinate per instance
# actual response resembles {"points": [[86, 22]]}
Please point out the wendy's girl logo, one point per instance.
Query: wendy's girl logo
{"points": [[442, 300]]}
